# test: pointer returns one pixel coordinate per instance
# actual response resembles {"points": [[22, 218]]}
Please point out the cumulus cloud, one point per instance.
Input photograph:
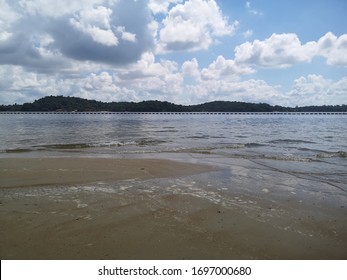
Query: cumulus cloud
{"points": [[248, 33], [56, 9], [130, 20], [151, 79], [147, 67], [103, 31], [127, 36], [278, 51], [222, 80], [7, 17], [191, 68], [248, 91], [116, 50], [315, 89], [223, 68], [193, 26], [334, 49], [161, 6], [286, 50], [22, 86], [31, 51], [96, 23]]}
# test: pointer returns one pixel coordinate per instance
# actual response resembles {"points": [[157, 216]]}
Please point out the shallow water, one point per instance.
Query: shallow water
{"points": [[305, 147], [281, 137]]}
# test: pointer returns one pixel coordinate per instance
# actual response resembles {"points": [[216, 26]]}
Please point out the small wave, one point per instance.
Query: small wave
{"points": [[198, 137], [291, 141], [286, 158], [311, 150], [254, 145], [112, 144], [149, 142], [83, 146], [68, 146], [241, 146], [342, 154], [339, 154], [141, 142], [13, 151], [167, 131]]}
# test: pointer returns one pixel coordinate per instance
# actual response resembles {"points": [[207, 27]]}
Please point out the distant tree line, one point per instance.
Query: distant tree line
{"points": [[70, 104]]}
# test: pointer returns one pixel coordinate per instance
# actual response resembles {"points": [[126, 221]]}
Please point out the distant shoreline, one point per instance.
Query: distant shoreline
{"points": [[166, 113], [64, 104]]}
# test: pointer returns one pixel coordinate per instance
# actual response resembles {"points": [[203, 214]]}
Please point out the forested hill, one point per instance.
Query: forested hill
{"points": [[61, 103]]}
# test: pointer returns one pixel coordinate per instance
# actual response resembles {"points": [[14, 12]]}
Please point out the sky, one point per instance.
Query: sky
{"points": [[281, 52]]}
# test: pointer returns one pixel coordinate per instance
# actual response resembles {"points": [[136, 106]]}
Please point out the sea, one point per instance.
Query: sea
{"points": [[278, 137], [310, 148]]}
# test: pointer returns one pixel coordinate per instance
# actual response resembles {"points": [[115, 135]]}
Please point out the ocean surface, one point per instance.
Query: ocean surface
{"points": [[285, 153], [313, 147], [279, 137]]}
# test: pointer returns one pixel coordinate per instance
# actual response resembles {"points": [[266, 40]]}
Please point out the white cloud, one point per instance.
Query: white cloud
{"points": [[53, 8], [286, 50], [248, 33], [191, 68], [102, 81], [223, 68], [164, 80], [247, 91], [161, 6], [278, 51], [96, 23], [147, 67], [91, 30], [7, 15], [193, 26], [152, 80], [221, 80], [315, 89], [22, 86], [127, 36], [5, 35], [106, 50], [334, 49]]}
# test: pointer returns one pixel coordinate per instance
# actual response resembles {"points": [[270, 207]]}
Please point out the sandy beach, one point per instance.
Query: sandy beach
{"points": [[85, 208], [22, 172]]}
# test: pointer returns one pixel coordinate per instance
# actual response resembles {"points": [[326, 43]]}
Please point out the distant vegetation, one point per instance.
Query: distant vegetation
{"points": [[69, 104]]}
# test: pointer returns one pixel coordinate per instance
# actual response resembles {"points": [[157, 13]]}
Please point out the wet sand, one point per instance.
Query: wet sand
{"points": [[119, 209], [22, 172]]}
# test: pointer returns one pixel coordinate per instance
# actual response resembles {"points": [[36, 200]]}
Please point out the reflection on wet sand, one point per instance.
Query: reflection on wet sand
{"points": [[236, 209]]}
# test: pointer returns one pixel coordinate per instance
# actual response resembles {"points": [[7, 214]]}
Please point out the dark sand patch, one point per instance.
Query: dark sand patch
{"points": [[21, 172]]}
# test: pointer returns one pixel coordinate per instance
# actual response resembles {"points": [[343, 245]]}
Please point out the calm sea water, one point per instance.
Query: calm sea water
{"points": [[280, 137]]}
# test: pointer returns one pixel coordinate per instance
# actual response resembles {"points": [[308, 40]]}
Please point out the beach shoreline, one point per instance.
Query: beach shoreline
{"points": [[22, 172], [160, 209]]}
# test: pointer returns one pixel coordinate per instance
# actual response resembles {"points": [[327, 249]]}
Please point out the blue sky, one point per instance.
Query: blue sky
{"points": [[183, 51]]}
